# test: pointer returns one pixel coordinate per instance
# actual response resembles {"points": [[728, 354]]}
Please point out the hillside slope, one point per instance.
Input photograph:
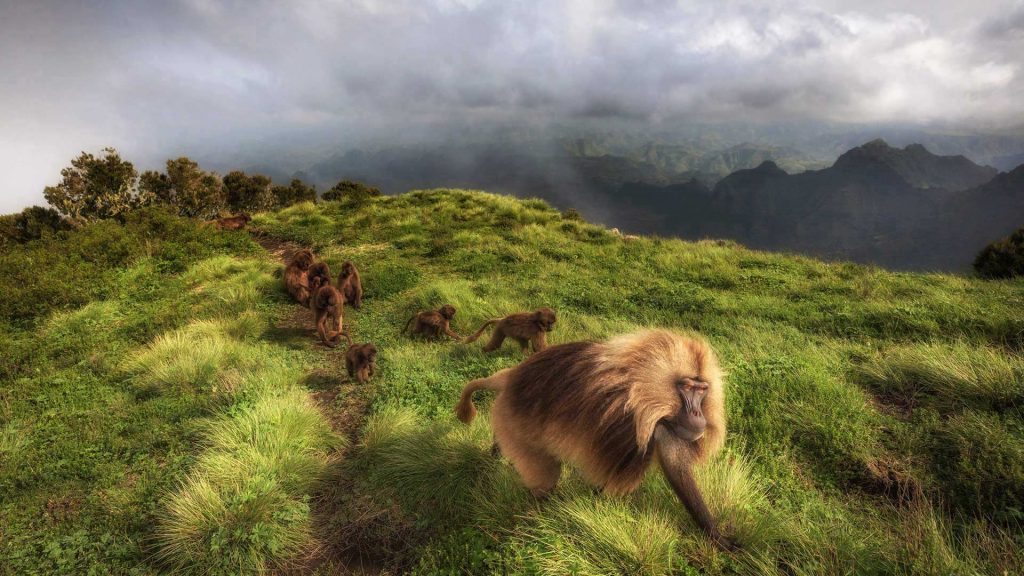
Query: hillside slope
{"points": [[859, 398], [875, 417]]}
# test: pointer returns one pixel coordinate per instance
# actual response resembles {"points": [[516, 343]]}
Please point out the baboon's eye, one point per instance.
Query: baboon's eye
{"points": [[692, 383]]}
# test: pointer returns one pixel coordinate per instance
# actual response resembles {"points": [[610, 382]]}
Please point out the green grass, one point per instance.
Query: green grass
{"points": [[157, 430], [875, 418]]}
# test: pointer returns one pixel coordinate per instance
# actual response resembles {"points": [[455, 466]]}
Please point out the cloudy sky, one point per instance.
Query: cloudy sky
{"points": [[208, 78]]}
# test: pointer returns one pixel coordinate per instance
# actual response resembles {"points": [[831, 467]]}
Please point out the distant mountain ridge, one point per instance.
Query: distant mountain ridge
{"points": [[917, 166]]}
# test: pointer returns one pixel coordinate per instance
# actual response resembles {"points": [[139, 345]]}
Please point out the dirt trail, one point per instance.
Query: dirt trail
{"points": [[344, 403]]}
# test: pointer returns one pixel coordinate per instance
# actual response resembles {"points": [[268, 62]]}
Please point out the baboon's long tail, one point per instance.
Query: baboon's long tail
{"points": [[465, 410], [407, 323], [481, 330]]}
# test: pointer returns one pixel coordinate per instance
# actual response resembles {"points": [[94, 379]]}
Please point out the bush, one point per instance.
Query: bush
{"points": [[1002, 258], [32, 223], [248, 193], [571, 214], [192, 191], [72, 267], [295, 192], [354, 192]]}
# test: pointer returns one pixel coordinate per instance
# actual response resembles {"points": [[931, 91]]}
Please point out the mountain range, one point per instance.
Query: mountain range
{"points": [[899, 208]]}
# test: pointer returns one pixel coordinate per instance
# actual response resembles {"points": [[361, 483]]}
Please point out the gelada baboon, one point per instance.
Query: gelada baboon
{"points": [[350, 286], [327, 304], [433, 323], [318, 275], [360, 360], [610, 408], [236, 222], [524, 327], [295, 276]]}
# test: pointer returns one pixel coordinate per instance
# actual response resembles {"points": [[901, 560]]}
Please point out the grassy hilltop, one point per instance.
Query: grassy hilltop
{"points": [[171, 410]]}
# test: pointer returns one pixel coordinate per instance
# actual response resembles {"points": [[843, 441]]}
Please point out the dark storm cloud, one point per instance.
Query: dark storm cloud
{"points": [[219, 79]]}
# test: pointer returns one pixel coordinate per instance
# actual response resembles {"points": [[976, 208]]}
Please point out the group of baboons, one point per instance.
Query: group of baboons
{"points": [[609, 408]]}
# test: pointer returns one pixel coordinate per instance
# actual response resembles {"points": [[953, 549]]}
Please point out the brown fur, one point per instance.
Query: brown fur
{"points": [[327, 304], [318, 275], [236, 222], [361, 361], [350, 286], [296, 281], [607, 408], [524, 327], [433, 323]]}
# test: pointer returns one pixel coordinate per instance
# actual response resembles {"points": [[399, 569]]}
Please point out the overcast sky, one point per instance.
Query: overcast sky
{"points": [[207, 78]]}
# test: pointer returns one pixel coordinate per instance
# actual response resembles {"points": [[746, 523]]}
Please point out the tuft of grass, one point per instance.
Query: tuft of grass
{"points": [[946, 376], [283, 436], [583, 535], [246, 526], [245, 505]]}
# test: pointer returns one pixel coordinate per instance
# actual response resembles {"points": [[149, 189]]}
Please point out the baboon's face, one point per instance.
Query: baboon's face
{"points": [[370, 353], [448, 311], [346, 270], [545, 318], [304, 259], [690, 422]]}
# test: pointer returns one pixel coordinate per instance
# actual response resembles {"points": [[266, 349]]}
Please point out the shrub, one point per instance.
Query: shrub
{"points": [[354, 192], [1002, 258], [72, 267], [571, 214], [296, 191], [248, 193], [191, 191], [32, 223]]}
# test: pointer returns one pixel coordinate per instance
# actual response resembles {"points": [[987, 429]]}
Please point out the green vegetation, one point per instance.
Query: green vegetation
{"points": [[154, 429], [32, 223], [157, 422], [353, 192], [827, 469], [1002, 258]]}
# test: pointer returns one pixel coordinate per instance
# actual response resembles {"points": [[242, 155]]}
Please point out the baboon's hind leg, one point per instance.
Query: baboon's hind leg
{"points": [[538, 470], [496, 340]]}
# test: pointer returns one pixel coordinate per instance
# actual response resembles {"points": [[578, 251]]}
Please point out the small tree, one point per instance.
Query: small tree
{"points": [[155, 188], [30, 224], [94, 188], [355, 192], [1002, 258], [248, 193], [295, 192], [191, 191]]}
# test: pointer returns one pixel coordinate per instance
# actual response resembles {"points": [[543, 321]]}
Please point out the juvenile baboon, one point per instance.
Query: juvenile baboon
{"points": [[433, 323], [360, 361], [350, 286], [295, 276], [236, 222], [609, 408], [327, 304], [318, 275], [524, 327]]}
